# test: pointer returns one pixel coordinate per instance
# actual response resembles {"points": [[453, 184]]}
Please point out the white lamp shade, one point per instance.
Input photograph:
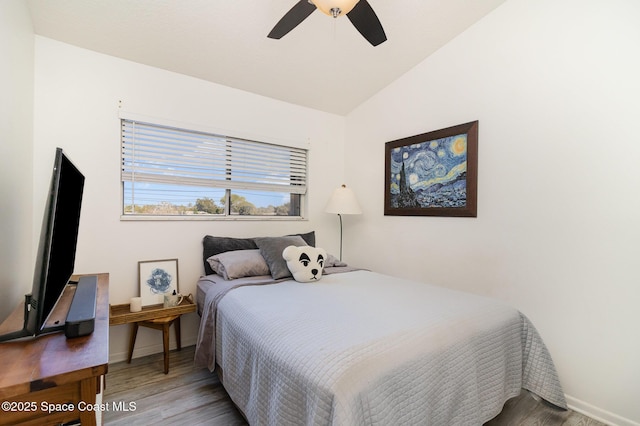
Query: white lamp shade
{"points": [[325, 6], [343, 201]]}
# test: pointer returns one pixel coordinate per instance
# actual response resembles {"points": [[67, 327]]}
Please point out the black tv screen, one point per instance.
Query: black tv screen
{"points": [[59, 236], [57, 246]]}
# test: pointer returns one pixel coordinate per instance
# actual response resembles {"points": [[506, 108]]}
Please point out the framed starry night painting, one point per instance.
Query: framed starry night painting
{"points": [[433, 174]]}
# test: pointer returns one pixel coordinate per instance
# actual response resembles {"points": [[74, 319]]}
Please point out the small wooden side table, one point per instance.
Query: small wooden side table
{"points": [[162, 324], [157, 317]]}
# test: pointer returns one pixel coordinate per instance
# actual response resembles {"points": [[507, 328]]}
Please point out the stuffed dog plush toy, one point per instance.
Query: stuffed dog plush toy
{"points": [[305, 262]]}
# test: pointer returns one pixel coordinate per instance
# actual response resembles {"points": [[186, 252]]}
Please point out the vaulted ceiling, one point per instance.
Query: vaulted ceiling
{"points": [[323, 64]]}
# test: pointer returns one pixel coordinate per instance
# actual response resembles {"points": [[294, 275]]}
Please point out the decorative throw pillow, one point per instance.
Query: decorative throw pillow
{"points": [[271, 249], [305, 263], [239, 263]]}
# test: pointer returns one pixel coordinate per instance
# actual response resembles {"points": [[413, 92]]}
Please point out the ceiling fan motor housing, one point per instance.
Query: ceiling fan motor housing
{"points": [[334, 8]]}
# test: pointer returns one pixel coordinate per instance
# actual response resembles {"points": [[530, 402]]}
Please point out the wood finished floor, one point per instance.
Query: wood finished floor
{"points": [[194, 396]]}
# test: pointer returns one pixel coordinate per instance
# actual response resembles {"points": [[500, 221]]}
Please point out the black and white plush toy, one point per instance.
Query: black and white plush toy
{"points": [[305, 262]]}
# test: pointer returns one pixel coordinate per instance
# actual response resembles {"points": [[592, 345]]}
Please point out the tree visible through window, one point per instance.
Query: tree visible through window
{"points": [[176, 172]]}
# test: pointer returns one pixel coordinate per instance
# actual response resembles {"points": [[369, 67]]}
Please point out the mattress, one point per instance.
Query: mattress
{"points": [[365, 348]]}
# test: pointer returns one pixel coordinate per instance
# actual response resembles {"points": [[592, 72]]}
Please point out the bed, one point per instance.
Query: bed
{"points": [[359, 347]]}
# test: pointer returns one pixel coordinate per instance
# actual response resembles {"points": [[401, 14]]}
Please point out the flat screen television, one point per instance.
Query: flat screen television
{"points": [[56, 249]]}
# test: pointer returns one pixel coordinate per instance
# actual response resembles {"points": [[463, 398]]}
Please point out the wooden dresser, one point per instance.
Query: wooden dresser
{"points": [[52, 379]]}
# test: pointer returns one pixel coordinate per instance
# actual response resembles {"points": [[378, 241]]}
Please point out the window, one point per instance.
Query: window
{"points": [[169, 172]]}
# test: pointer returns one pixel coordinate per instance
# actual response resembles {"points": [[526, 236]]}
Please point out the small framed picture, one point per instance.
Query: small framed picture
{"points": [[157, 278]]}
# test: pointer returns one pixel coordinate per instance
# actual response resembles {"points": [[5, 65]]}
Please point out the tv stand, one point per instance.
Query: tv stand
{"points": [[53, 369], [22, 333]]}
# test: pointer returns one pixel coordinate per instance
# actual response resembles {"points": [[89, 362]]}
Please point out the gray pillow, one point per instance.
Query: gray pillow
{"points": [[271, 249], [216, 245], [239, 263], [333, 261]]}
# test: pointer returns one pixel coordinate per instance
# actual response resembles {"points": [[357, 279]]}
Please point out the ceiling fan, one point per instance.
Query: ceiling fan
{"points": [[359, 13]]}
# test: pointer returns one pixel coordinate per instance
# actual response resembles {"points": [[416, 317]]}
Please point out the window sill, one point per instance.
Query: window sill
{"points": [[152, 218]]}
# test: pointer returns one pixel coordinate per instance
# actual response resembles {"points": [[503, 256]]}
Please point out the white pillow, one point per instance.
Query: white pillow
{"points": [[305, 262]]}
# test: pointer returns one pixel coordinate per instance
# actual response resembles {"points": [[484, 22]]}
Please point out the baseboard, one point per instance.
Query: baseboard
{"points": [[156, 348], [598, 414]]}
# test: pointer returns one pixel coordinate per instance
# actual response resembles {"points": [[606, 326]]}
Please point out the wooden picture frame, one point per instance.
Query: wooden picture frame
{"points": [[433, 174], [157, 278]]}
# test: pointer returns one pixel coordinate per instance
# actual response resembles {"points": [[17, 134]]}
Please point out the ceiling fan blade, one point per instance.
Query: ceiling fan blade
{"points": [[366, 21], [292, 19]]}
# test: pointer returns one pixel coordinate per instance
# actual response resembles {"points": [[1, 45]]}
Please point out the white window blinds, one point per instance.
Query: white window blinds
{"points": [[158, 154]]}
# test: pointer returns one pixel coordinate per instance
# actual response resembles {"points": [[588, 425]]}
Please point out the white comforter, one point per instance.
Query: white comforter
{"points": [[363, 348]]}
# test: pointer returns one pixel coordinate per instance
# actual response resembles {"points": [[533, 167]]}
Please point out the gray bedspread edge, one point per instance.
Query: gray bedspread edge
{"points": [[538, 370]]}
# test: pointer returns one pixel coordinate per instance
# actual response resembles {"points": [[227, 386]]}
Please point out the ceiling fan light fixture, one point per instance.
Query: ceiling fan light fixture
{"points": [[334, 8], [359, 12]]}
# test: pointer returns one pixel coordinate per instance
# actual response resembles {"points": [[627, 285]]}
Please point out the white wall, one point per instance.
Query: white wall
{"points": [[77, 99], [16, 149], [555, 87]]}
